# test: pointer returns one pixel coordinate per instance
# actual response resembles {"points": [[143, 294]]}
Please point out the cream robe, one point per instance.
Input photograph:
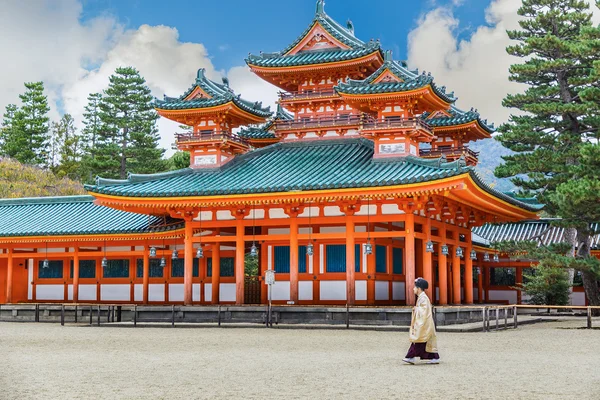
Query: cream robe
{"points": [[422, 328]]}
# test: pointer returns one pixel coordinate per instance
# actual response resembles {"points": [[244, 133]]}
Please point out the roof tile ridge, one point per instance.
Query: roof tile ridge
{"points": [[47, 200]]}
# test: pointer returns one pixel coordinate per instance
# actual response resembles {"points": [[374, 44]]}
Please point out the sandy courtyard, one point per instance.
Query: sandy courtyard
{"points": [[47, 361]]}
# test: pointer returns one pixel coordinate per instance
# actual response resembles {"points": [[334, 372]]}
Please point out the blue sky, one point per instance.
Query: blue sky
{"points": [[231, 28]]}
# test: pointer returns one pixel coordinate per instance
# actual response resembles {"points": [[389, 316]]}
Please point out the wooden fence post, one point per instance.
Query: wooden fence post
{"points": [[589, 317], [173, 315], [75, 313], [91, 313], [37, 313], [497, 317], [134, 314], [219, 315], [98, 315], [483, 316], [515, 316], [347, 316], [62, 315], [505, 317]]}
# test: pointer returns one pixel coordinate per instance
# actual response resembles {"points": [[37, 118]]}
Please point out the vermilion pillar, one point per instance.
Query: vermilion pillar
{"points": [[9, 276], [428, 263], [350, 260], [216, 272], [468, 272], [76, 275], [294, 258], [146, 277], [409, 244], [188, 263], [239, 260], [455, 275]]}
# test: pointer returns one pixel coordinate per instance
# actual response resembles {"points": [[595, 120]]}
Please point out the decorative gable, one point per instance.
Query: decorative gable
{"points": [[438, 114], [197, 93], [388, 76], [317, 38]]}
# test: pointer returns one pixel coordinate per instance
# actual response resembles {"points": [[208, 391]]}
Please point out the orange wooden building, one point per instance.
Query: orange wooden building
{"points": [[359, 182]]}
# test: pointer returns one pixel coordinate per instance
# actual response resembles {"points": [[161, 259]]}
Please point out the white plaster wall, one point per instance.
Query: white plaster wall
{"points": [[360, 290], [333, 290], [332, 211], [279, 231], [437, 294], [115, 293], [175, 291], [577, 298], [314, 212], [333, 229], [510, 295], [227, 292], [224, 215], [389, 209], [382, 290], [87, 293], [398, 291], [138, 292], [50, 292], [156, 292], [321, 258], [255, 214], [270, 257], [118, 248], [69, 292], [277, 213], [475, 295], [280, 290], [208, 292], [196, 292], [204, 216], [305, 290]]}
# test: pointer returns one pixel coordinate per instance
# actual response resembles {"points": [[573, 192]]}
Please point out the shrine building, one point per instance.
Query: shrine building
{"points": [[360, 181]]}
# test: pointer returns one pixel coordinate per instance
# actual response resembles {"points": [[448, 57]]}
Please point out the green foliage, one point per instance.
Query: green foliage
{"points": [[92, 123], [250, 265], [554, 121], [18, 180], [546, 285], [128, 138], [25, 129], [179, 160], [69, 147]]}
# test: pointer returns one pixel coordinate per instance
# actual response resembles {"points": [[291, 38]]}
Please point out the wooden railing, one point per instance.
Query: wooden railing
{"points": [[306, 94], [340, 120], [449, 151], [415, 123], [209, 135]]}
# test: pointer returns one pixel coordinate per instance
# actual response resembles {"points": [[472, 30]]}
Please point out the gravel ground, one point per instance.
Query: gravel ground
{"points": [[47, 361]]}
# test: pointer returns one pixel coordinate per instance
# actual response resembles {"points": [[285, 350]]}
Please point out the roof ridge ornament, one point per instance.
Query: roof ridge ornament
{"points": [[200, 75], [387, 55], [350, 26], [320, 7]]}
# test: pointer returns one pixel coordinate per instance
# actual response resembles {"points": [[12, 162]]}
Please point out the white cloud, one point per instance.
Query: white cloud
{"points": [[48, 42], [477, 68]]}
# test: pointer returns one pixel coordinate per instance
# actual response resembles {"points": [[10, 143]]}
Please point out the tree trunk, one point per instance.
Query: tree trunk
{"points": [[571, 238], [590, 280]]}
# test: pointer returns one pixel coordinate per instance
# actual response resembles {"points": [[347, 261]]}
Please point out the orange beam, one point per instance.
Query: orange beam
{"points": [[9, 276], [294, 259], [216, 273], [239, 262], [350, 260], [188, 264], [428, 261]]}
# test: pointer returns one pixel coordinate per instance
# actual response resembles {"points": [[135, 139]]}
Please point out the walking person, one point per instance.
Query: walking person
{"points": [[422, 329]]}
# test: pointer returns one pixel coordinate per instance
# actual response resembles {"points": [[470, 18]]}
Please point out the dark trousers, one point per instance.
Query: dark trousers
{"points": [[418, 350]]}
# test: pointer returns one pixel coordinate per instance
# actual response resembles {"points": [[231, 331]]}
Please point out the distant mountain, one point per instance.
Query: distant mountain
{"points": [[490, 153]]}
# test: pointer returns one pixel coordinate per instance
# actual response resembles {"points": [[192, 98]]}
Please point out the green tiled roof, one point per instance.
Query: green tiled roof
{"points": [[365, 87], [287, 166], [257, 133], [73, 215], [459, 117], [542, 231], [264, 131], [220, 93], [310, 57], [397, 68]]}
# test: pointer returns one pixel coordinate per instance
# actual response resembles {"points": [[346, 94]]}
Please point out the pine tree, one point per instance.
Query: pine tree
{"points": [[92, 123], [556, 120], [69, 149], [27, 141], [9, 126], [546, 285], [128, 139]]}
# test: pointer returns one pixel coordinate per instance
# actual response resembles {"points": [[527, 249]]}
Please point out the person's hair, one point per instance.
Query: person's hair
{"points": [[421, 283]]}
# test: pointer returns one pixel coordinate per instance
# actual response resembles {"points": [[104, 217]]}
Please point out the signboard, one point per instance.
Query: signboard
{"points": [[270, 277], [205, 160], [392, 148]]}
